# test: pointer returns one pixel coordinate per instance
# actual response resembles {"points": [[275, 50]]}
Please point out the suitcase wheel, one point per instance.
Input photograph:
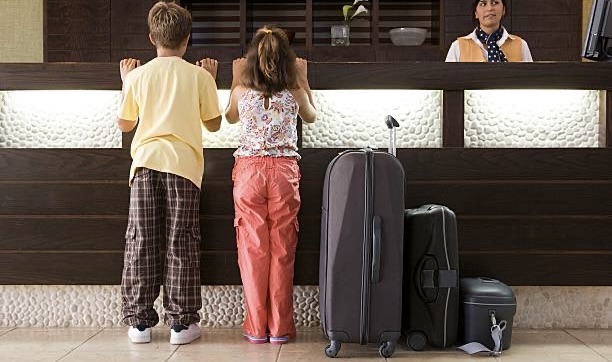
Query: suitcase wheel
{"points": [[416, 340], [386, 349], [332, 349]]}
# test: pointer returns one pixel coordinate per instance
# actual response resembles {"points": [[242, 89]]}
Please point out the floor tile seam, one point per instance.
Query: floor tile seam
{"points": [[587, 345], [82, 343], [172, 354], [8, 331], [278, 353], [566, 331]]}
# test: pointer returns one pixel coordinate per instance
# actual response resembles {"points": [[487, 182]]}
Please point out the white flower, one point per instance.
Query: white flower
{"points": [[360, 10]]}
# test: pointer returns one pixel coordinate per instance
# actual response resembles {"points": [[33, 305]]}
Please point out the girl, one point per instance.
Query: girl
{"points": [[269, 90], [489, 42]]}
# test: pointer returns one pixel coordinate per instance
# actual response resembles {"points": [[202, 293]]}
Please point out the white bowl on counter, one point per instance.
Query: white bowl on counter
{"points": [[407, 36]]}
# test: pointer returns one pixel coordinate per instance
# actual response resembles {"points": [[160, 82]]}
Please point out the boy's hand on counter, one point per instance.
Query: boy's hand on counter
{"points": [[210, 65], [126, 65]]}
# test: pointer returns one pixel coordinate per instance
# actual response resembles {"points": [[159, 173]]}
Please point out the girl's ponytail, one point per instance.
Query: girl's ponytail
{"points": [[270, 62], [268, 54]]}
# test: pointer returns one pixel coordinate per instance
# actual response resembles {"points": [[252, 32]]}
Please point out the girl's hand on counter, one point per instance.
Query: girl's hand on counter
{"points": [[238, 67], [301, 68]]}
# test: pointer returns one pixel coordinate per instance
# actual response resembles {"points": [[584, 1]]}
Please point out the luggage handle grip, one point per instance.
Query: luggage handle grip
{"points": [[438, 279], [376, 245], [392, 124], [432, 280], [423, 278]]}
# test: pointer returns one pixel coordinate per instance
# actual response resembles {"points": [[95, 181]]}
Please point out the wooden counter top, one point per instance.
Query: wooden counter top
{"points": [[398, 75]]}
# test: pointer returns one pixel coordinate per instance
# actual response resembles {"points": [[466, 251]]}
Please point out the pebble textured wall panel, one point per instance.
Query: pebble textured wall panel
{"points": [[59, 119], [532, 118], [346, 118], [355, 118], [96, 306]]}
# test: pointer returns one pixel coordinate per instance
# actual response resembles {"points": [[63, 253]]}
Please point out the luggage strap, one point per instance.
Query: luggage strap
{"points": [[496, 333]]}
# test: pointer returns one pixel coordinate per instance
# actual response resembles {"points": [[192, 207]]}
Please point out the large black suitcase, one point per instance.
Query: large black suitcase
{"points": [[431, 279], [360, 275]]}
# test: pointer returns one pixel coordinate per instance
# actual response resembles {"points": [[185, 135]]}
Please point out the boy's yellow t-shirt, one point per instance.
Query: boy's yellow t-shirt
{"points": [[170, 98]]}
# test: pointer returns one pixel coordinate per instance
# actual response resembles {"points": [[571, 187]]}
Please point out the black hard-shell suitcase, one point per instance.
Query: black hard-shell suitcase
{"points": [[360, 275], [431, 279]]}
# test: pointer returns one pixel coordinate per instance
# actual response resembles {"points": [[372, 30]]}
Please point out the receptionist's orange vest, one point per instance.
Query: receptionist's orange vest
{"points": [[469, 51]]}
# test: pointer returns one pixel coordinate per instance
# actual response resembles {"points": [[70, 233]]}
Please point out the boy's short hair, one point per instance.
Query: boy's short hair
{"points": [[169, 24]]}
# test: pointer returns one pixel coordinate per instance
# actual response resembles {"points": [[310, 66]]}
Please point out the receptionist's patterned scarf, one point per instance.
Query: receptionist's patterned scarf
{"points": [[490, 43]]}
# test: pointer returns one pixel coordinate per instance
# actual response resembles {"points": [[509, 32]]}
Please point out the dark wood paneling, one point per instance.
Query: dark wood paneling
{"points": [[98, 233], [83, 55], [130, 42], [77, 31], [520, 234], [216, 198], [88, 198], [61, 268], [129, 32], [457, 7], [222, 268], [407, 75], [549, 54], [322, 53], [60, 76], [548, 207], [80, 164], [123, 25], [452, 120], [105, 268], [460, 25], [503, 198], [588, 269], [392, 53], [548, 23], [78, 17], [454, 76], [607, 113], [98, 268], [67, 232], [90, 42], [125, 15], [539, 40], [473, 164], [547, 7]]}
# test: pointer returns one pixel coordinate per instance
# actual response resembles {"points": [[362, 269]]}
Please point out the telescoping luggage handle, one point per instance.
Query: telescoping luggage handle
{"points": [[392, 124]]}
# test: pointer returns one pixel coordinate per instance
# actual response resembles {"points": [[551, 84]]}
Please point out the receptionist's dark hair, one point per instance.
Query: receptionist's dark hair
{"points": [[475, 5]]}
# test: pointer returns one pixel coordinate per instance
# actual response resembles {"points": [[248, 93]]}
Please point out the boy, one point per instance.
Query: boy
{"points": [[169, 99]]}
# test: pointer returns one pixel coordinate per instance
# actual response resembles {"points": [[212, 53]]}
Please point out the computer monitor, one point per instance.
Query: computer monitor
{"points": [[598, 40]]}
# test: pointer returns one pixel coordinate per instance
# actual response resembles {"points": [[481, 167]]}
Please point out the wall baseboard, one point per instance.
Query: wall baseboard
{"points": [[99, 306]]}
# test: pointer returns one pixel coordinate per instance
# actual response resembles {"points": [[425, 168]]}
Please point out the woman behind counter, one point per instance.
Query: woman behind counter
{"points": [[490, 41]]}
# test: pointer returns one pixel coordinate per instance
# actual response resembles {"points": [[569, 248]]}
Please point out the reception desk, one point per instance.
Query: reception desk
{"points": [[531, 186]]}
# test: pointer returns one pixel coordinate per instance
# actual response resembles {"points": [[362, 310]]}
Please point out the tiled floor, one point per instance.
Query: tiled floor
{"points": [[111, 344]]}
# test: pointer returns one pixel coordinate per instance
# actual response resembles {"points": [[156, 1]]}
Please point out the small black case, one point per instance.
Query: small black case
{"points": [[480, 299]]}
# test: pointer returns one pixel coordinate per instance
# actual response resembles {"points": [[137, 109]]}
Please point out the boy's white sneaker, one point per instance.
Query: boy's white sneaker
{"points": [[182, 334], [140, 334]]}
